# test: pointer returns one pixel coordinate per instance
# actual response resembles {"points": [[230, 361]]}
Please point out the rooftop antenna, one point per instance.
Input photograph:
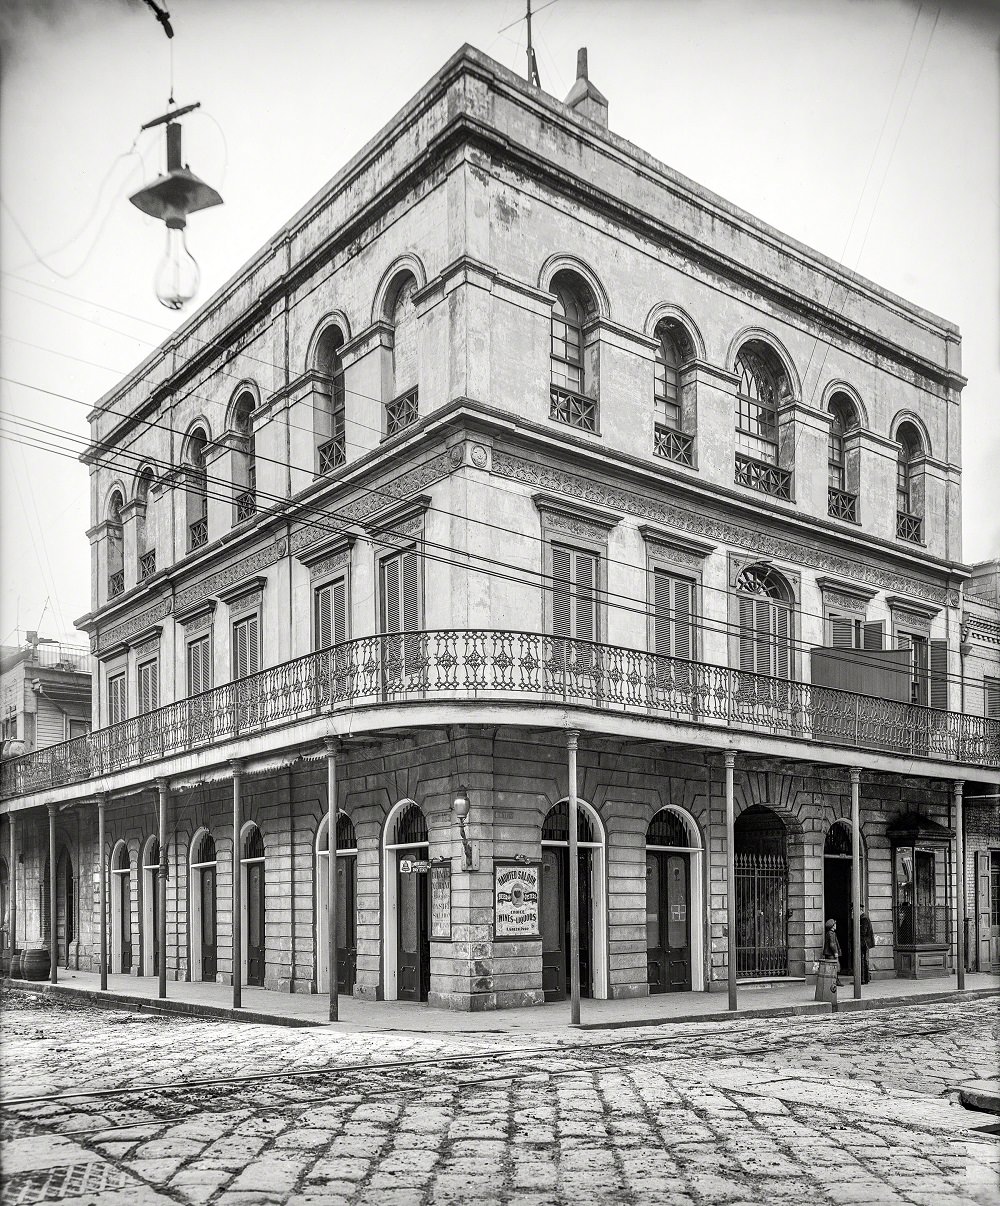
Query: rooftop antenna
{"points": [[532, 61]]}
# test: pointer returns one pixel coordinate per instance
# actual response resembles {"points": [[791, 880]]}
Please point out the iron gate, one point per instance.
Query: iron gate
{"points": [[761, 915]]}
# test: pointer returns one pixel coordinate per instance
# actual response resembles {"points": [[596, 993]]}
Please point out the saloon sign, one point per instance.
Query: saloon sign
{"points": [[515, 900]]}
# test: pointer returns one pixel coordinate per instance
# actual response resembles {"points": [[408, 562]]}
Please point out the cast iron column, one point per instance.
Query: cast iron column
{"points": [[53, 941], [163, 788], [855, 774], [574, 885], [729, 761], [960, 879], [13, 886], [237, 890], [332, 745], [102, 897]]}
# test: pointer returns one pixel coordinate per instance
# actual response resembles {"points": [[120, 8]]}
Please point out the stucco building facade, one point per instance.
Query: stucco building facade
{"points": [[516, 450]]}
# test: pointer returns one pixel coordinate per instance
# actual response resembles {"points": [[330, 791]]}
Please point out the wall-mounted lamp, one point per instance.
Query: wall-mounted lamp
{"points": [[461, 807]]}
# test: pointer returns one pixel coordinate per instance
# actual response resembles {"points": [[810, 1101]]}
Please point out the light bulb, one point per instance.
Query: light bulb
{"points": [[177, 276]]}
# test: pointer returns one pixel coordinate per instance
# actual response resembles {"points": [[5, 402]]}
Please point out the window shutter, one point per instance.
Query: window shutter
{"points": [[586, 602], [939, 674], [991, 689], [561, 623], [763, 627], [246, 647], [873, 634], [411, 591], [339, 610], [199, 671], [748, 657], [324, 626], [253, 645], [983, 910], [682, 624], [782, 657], [116, 699], [663, 646], [841, 632], [390, 595], [148, 687]]}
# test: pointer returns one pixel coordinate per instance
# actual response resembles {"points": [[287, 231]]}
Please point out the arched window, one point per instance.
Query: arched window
{"points": [[842, 503], [116, 563], [674, 348], [244, 461], [401, 409], [196, 485], [144, 533], [574, 378], [763, 383], [909, 505], [328, 412], [764, 600]]}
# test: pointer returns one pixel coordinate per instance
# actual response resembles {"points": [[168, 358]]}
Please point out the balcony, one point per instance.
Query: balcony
{"points": [[332, 455], [400, 412], [676, 446], [147, 565], [116, 584], [246, 506], [575, 410], [515, 668], [198, 533], [768, 479], [909, 527], [841, 504]]}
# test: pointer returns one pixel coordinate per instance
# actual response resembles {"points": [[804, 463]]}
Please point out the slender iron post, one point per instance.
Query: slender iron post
{"points": [[332, 746], [572, 738], [729, 761], [163, 790], [13, 885], [53, 942], [102, 891], [960, 879], [855, 774], [237, 889]]}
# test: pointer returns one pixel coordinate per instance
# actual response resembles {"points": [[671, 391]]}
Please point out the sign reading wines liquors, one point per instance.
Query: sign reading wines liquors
{"points": [[515, 900], [441, 902]]}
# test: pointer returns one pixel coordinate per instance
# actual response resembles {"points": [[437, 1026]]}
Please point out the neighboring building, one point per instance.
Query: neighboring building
{"points": [[513, 433]]}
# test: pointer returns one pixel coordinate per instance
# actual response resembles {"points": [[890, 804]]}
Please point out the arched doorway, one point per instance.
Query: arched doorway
{"points": [[252, 896], [150, 907], [204, 950], [761, 894], [406, 916], [837, 876], [674, 931], [121, 910], [347, 896], [555, 923]]}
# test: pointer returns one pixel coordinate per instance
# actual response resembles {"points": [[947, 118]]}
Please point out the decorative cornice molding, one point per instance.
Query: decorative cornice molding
{"points": [[193, 614], [898, 603], [119, 634], [834, 598], [147, 644], [595, 517], [340, 543], [234, 594], [319, 569], [698, 549], [860, 593], [216, 583]]}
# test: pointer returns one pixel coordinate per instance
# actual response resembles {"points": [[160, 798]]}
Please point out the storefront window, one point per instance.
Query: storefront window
{"points": [[915, 896]]}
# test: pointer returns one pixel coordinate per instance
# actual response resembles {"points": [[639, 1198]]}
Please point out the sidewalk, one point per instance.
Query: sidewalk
{"points": [[299, 1009]]}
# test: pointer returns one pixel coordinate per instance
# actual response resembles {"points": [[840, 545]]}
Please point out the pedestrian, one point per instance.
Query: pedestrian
{"points": [[867, 942], [831, 947]]}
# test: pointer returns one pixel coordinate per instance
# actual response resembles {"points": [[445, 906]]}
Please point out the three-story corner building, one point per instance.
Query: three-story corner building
{"points": [[515, 450]]}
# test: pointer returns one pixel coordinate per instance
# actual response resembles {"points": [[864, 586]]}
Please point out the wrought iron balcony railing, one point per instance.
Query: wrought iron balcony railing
{"points": [[673, 445], [198, 533], [116, 584], [401, 412], [841, 504], [246, 505], [147, 565], [333, 454], [513, 668], [576, 410], [909, 527], [768, 479]]}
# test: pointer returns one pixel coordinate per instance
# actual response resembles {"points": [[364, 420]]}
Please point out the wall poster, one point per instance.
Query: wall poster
{"points": [[515, 900], [441, 902]]}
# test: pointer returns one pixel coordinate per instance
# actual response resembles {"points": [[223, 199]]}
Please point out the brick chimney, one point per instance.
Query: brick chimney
{"points": [[584, 97]]}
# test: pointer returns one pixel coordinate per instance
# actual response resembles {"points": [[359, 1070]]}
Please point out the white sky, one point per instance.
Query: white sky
{"points": [[868, 129]]}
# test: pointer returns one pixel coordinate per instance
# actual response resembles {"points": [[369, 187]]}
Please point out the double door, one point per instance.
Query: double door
{"points": [[124, 887], [413, 947], [255, 924], [347, 942], [555, 925], [209, 940], [668, 921]]}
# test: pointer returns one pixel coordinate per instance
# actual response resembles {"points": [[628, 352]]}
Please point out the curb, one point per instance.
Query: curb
{"points": [[981, 1095]]}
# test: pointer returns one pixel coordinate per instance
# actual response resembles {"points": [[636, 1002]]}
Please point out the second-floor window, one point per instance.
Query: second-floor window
{"points": [[991, 692], [116, 550], [765, 622], [199, 665], [330, 623], [673, 615], [329, 403], [196, 487], [574, 386], [244, 461], [117, 699], [909, 505], [148, 694], [400, 605], [246, 647], [402, 407], [575, 613], [846, 631]]}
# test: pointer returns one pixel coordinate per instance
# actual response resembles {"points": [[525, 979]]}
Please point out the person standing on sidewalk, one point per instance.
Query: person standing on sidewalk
{"points": [[867, 942]]}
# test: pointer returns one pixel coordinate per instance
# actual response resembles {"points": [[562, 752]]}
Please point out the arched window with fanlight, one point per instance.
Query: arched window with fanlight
{"points": [[244, 460], [328, 402], [116, 551], [401, 409], [673, 438], [842, 491], [764, 601], [196, 489], [574, 388], [145, 532], [762, 385], [909, 493]]}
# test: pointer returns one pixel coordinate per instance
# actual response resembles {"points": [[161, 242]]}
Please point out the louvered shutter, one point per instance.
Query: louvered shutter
{"points": [[841, 632], [390, 595], [683, 628], [586, 601], [782, 657], [661, 614], [411, 591], [764, 635], [253, 645], [148, 687], [561, 592], [672, 619], [199, 670], [873, 635], [748, 636], [939, 674], [116, 699], [991, 689], [324, 617], [339, 611], [246, 647], [983, 910]]}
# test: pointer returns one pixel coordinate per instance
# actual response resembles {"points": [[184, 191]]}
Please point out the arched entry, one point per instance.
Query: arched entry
{"points": [[65, 906], [150, 907], [121, 910], [347, 896], [837, 875], [555, 903], [252, 896], [204, 949], [406, 919], [674, 932], [761, 894]]}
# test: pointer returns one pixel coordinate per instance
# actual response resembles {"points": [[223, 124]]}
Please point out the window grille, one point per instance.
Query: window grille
{"points": [[572, 409], [147, 565], [767, 478], [253, 843], [909, 527], [246, 505], [116, 584], [346, 837], [333, 453], [198, 533], [668, 829], [401, 412], [556, 826], [841, 504], [672, 445], [411, 827]]}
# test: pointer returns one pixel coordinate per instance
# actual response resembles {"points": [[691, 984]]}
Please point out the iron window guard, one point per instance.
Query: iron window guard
{"points": [[147, 565], [116, 584], [768, 479], [909, 527], [576, 410], [673, 445], [198, 533], [246, 505], [401, 412], [842, 504], [332, 454]]}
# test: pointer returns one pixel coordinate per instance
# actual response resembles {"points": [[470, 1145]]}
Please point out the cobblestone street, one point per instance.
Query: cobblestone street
{"points": [[848, 1109]]}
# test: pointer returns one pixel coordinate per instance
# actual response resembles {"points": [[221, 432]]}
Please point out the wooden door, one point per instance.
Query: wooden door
{"points": [[125, 920], [209, 952], [413, 936], [255, 924], [347, 945], [668, 922], [555, 923], [153, 884]]}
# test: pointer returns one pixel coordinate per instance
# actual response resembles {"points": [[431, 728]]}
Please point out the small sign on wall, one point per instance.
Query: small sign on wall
{"points": [[441, 902], [515, 900]]}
